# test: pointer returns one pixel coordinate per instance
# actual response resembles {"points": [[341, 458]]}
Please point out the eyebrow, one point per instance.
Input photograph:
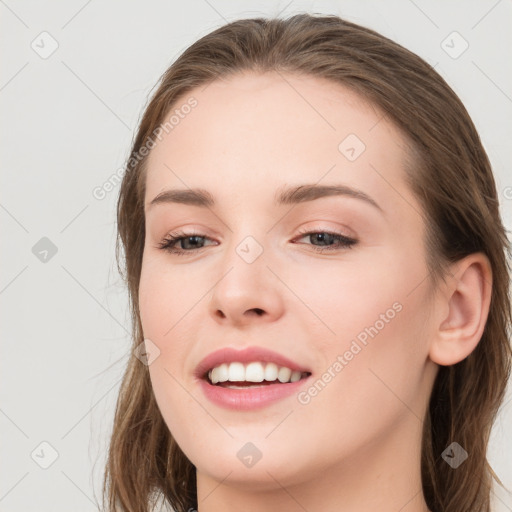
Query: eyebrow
{"points": [[284, 196]]}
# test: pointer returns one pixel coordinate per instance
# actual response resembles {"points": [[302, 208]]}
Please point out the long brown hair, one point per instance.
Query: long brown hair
{"points": [[453, 180]]}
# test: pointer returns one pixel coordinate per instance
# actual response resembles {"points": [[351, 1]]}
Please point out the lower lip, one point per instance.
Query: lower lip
{"points": [[250, 398]]}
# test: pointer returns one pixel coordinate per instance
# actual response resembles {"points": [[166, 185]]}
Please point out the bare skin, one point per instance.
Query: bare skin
{"points": [[355, 445]]}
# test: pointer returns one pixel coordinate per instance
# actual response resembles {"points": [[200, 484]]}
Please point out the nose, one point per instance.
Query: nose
{"points": [[247, 293]]}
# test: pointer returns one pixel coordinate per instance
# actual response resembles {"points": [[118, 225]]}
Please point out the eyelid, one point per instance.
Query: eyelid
{"points": [[323, 228], [342, 242]]}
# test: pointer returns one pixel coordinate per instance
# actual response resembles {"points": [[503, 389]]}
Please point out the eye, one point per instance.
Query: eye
{"points": [[189, 242], [192, 242], [337, 240]]}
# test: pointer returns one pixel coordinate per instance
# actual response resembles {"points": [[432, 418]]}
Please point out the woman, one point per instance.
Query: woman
{"points": [[318, 280]]}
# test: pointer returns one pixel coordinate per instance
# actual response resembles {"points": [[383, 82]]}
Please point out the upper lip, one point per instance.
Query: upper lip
{"points": [[229, 355]]}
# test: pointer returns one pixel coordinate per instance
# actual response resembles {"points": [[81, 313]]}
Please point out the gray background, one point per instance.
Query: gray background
{"points": [[67, 122]]}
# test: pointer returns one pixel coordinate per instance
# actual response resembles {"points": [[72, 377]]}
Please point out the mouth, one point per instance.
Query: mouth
{"points": [[255, 374], [249, 379]]}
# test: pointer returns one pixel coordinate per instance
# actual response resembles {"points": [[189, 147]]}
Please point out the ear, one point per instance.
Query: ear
{"points": [[465, 306]]}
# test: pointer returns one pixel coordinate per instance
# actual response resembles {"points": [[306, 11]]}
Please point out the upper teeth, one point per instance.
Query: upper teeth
{"points": [[252, 372]]}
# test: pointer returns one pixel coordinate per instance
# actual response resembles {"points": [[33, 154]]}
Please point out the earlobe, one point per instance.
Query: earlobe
{"points": [[465, 308]]}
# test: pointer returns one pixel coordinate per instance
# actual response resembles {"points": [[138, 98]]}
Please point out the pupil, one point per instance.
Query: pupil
{"points": [[322, 236], [188, 239]]}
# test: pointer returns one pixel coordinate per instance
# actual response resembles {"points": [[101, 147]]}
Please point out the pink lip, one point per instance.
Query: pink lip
{"points": [[250, 398], [229, 355]]}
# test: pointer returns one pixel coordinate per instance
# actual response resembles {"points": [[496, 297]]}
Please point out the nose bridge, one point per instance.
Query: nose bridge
{"points": [[246, 285], [247, 243], [243, 268]]}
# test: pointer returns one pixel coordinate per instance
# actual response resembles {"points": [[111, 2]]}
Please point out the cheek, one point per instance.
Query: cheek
{"points": [[367, 387], [165, 296], [349, 296], [170, 306], [164, 299], [378, 343], [383, 346]]}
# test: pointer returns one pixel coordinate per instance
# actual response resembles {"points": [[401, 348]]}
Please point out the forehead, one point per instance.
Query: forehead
{"points": [[253, 132]]}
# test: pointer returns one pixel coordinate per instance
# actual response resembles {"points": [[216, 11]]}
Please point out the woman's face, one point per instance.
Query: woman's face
{"points": [[267, 270]]}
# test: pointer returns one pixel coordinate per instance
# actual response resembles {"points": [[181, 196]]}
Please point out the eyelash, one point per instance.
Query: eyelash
{"points": [[167, 244]]}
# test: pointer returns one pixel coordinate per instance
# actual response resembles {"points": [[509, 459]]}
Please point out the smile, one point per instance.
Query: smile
{"points": [[251, 374], [251, 378]]}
